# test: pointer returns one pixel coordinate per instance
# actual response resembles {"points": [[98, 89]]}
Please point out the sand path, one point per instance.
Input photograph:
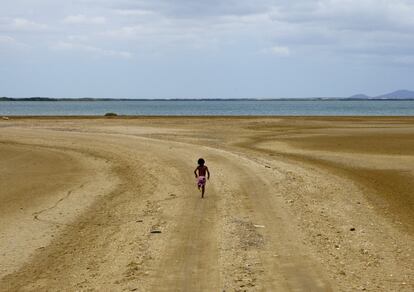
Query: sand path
{"points": [[265, 224]]}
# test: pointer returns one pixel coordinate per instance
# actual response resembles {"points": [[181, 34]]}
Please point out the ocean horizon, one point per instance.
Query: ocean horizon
{"points": [[213, 107]]}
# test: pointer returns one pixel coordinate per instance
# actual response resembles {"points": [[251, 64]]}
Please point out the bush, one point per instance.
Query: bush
{"points": [[111, 115]]}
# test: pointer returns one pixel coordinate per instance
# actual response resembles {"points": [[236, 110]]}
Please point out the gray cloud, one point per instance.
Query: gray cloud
{"points": [[336, 26], [197, 8], [20, 24], [83, 19]]}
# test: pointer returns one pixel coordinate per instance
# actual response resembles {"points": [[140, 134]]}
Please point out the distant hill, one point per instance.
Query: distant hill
{"points": [[359, 96], [399, 94]]}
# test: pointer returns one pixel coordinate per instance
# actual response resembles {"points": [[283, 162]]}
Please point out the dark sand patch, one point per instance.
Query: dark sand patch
{"points": [[28, 174], [390, 190], [389, 144]]}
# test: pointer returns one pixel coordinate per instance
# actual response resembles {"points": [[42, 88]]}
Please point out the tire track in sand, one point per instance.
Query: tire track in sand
{"points": [[282, 263], [192, 261], [225, 253]]}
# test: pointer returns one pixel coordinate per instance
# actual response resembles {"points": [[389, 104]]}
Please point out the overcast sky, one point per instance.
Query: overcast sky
{"points": [[205, 48]]}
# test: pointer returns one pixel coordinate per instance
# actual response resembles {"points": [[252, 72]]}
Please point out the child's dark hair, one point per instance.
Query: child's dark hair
{"points": [[201, 161]]}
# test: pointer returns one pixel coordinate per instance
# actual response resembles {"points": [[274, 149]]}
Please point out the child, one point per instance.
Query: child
{"points": [[201, 176]]}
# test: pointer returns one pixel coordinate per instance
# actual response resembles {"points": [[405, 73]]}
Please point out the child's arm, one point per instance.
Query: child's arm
{"points": [[208, 173], [195, 172]]}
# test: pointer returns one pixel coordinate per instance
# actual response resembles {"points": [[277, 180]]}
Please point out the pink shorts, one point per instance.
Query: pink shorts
{"points": [[201, 181]]}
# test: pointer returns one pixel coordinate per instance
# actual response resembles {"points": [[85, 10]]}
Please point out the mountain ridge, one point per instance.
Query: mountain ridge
{"points": [[398, 94]]}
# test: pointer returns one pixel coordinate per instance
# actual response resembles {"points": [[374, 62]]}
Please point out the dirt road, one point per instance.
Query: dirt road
{"points": [[124, 214]]}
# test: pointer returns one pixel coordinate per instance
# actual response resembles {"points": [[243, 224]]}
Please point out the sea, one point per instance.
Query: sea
{"points": [[210, 108]]}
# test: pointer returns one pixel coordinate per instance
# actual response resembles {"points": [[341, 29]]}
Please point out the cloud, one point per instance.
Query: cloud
{"points": [[404, 60], [306, 27], [4, 39], [156, 27], [128, 32], [22, 24], [92, 50], [8, 43], [319, 25], [279, 51], [133, 12], [196, 8], [276, 50], [82, 19], [355, 15], [345, 27], [78, 38]]}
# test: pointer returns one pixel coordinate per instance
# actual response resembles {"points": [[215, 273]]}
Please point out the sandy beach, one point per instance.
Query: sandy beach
{"points": [[293, 204]]}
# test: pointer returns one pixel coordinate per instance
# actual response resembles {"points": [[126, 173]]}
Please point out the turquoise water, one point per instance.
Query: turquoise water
{"points": [[214, 107]]}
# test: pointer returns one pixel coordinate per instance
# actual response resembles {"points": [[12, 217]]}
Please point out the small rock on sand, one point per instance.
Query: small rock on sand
{"points": [[5, 118], [155, 231]]}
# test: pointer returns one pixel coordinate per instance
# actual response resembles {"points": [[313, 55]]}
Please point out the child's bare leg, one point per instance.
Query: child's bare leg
{"points": [[202, 191]]}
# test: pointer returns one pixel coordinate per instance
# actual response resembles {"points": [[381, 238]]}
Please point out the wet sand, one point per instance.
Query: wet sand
{"points": [[294, 204]]}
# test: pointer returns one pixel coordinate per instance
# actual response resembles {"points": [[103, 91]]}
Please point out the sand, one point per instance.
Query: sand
{"points": [[293, 204]]}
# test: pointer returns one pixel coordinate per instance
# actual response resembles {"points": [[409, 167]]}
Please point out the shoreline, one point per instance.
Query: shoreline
{"points": [[91, 99], [126, 117]]}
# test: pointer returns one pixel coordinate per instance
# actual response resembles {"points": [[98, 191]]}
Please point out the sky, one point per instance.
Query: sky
{"points": [[205, 48]]}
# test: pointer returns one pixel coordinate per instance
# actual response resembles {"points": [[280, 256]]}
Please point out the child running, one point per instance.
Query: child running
{"points": [[201, 175]]}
